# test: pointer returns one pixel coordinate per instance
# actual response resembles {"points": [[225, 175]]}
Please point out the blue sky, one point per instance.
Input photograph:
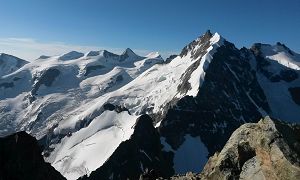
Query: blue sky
{"points": [[33, 27]]}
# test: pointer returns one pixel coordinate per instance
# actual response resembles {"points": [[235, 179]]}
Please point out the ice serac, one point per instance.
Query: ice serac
{"points": [[268, 149]]}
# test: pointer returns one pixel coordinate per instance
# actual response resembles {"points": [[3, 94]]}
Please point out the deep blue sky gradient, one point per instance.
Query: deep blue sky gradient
{"points": [[162, 25]]}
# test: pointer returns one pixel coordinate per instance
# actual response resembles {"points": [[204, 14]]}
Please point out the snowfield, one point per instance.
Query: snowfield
{"points": [[88, 148]]}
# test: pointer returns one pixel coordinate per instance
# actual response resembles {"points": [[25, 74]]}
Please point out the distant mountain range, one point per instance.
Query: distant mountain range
{"points": [[100, 115]]}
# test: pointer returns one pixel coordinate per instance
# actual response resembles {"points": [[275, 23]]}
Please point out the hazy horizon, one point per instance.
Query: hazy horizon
{"points": [[33, 28]]}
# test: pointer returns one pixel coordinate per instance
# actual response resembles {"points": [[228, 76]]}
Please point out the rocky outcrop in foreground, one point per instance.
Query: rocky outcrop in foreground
{"points": [[20, 158], [269, 149]]}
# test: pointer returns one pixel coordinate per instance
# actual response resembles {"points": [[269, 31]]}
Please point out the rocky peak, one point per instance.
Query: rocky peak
{"points": [[128, 53], [202, 43]]}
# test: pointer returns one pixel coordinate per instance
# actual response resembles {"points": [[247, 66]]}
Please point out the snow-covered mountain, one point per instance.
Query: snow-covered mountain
{"points": [[9, 64], [85, 109], [53, 97]]}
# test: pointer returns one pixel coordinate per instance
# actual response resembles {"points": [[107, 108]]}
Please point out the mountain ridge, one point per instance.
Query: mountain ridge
{"points": [[196, 99]]}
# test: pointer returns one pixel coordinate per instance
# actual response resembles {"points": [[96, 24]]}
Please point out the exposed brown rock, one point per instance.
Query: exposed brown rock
{"points": [[269, 149]]}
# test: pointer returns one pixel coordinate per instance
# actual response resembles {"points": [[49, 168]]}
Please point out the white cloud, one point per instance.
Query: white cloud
{"points": [[31, 49]]}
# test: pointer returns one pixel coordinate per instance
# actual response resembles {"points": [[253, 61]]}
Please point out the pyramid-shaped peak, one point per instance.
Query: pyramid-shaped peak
{"points": [[204, 41], [129, 52]]}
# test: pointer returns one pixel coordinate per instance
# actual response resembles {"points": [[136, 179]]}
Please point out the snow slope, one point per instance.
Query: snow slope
{"points": [[43, 92], [88, 148], [281, 59]]}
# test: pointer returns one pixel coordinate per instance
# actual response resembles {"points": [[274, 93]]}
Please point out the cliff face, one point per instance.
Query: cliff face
{"points": [[20, 158], [269, 149]]}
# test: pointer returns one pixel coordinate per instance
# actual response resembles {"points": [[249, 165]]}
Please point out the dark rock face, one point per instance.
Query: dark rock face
{"points": [[44, 57], [170, 58], [229, 96], [288, 75], [93, 53], [295, 93], [7, 85], [126, 54], [289, 141], [46, 79], [204, 40], [197, 54], [117, 108], [90, 69], [108, 54], [141, 153], [20, 158], [109, 107]]}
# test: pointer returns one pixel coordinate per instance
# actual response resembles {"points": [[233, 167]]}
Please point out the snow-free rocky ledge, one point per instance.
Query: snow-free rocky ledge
{"points": [[269, 149]]}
